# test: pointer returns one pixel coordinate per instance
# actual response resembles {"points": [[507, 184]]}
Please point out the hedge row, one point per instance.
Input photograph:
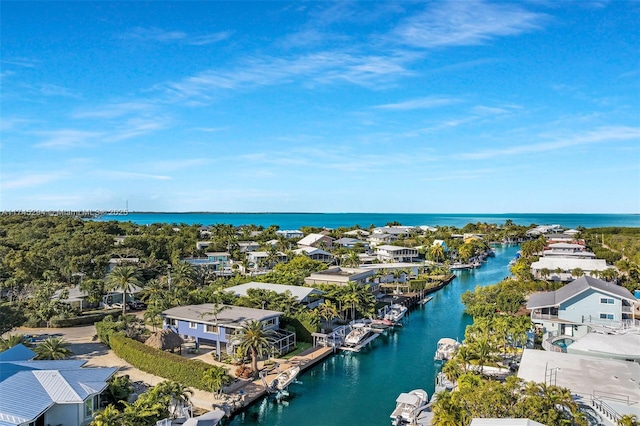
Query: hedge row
{"points": [[159, 363], [81, 319]]}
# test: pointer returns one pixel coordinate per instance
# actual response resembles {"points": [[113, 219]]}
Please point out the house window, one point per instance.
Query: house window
{"points": [[211, 329], [90, 405], [171, 322], [607, 301], [193, 325], [268, 323], [606, 316]]}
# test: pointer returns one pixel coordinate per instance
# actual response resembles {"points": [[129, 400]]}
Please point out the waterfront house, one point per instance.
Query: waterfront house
{"points": [[340, 276], [290, 234], [586, 303], [316, 241], [315, 254], [560, 267], [201, 245], [306, 296], [46, 392], [215, 324], [575, 251], [396, 254]]}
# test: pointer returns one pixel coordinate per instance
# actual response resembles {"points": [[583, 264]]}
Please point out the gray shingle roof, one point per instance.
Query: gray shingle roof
{"points": [[233, 316], [555, 298], [296, 291]]}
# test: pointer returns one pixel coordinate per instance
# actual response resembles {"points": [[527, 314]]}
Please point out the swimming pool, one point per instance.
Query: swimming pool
{"points": [[563, 343]]}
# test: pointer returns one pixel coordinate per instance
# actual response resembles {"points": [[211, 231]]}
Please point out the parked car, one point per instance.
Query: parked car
{"points": [[136, 305]]}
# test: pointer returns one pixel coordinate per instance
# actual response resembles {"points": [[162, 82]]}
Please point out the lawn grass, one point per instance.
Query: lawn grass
{"points": [[300, 347]]}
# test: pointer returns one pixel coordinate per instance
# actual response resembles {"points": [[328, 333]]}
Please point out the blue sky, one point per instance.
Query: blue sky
{"points": [[463, 106]]}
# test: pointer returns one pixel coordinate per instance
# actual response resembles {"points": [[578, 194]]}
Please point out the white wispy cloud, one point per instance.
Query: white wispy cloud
{"points": [[28, 180], [67, 138], [463, 23], [154, 34], [599, 135], [22, 62], [314, 68], [118, 174], [420, 103], [114, 110], [55, 90]]}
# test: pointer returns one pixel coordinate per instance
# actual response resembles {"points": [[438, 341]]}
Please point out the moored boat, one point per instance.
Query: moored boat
{"points": [[395, 313], [357, 335], [446, 349], [284, 379], [408, 407]]}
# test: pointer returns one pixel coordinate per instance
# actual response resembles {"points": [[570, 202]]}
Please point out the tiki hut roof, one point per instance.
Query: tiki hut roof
{"points": [[165, 339]]}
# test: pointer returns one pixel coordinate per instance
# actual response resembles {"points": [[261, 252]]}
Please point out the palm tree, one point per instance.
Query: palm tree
{"points": [[629, 420], [254, 340], [544, 273], [12, 340], [216, 378], [436, 253], [577, 272], [124, 278], [110, 416], [327, 311], [53, 348], [184, 275], [351, 259], [176, 394]]}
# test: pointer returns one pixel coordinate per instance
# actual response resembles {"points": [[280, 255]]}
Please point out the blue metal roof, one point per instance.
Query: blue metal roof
{"points": [[17, 353]]}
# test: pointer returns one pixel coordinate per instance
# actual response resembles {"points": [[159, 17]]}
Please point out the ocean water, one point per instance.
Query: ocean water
{"points": [[361, 388], [335, 220]]}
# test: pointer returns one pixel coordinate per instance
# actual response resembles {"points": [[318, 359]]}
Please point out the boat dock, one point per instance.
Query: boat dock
{"points": [[364, 343]]}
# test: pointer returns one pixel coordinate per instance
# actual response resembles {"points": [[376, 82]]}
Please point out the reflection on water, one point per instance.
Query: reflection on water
{"points": [[361, 388]]}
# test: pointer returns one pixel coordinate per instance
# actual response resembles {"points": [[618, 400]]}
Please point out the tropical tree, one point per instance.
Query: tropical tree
{"points": [[327, 311], [184, 275], [577, 272], [629, 420], [110, 416], [216, 378], [437, 253], [12, 340], [254, 340], [176, 394], [53, 348], [124, 278], [351, 259]]}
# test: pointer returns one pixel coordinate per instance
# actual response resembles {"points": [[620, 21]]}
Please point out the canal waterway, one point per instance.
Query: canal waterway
{"points": [[360, 388]]}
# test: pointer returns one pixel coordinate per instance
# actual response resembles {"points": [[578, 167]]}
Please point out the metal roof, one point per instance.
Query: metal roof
{"points": [[555, 298], [17, 353], [300, 293], [28, 393], [233, 316]]}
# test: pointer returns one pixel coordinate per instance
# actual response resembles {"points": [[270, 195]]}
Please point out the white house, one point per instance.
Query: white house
{"points": [[565, 265], [351, 243], [288, 233], [307, 296], [340, 276], [378, 239], [48, 392], [393, 254], [317, 241], [247, 246]]}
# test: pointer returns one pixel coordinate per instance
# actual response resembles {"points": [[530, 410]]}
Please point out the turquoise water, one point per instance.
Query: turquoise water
{"points": [[360, 388], [562, 343], [335, 220]]}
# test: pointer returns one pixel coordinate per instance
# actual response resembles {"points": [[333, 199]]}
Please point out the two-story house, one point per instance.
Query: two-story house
{"points": [[215, 325], [582, 304], [306, 296], [396, 254], [316, 241]]}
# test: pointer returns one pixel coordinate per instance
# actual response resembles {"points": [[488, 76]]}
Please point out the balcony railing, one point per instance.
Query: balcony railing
{"points": [[539, 316]]}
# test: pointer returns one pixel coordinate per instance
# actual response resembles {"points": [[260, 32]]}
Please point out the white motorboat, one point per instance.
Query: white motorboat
{"points": [[395, 313], [284, 379], [446, 349], [357, 335], [408, 407]]}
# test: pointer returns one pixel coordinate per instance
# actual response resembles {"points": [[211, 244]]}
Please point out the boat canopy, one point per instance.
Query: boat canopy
{"points": [[407, 398]]}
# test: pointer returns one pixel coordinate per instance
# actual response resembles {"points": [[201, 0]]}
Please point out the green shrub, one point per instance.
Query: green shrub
{"points": [[80, 319], [164, 364]]}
